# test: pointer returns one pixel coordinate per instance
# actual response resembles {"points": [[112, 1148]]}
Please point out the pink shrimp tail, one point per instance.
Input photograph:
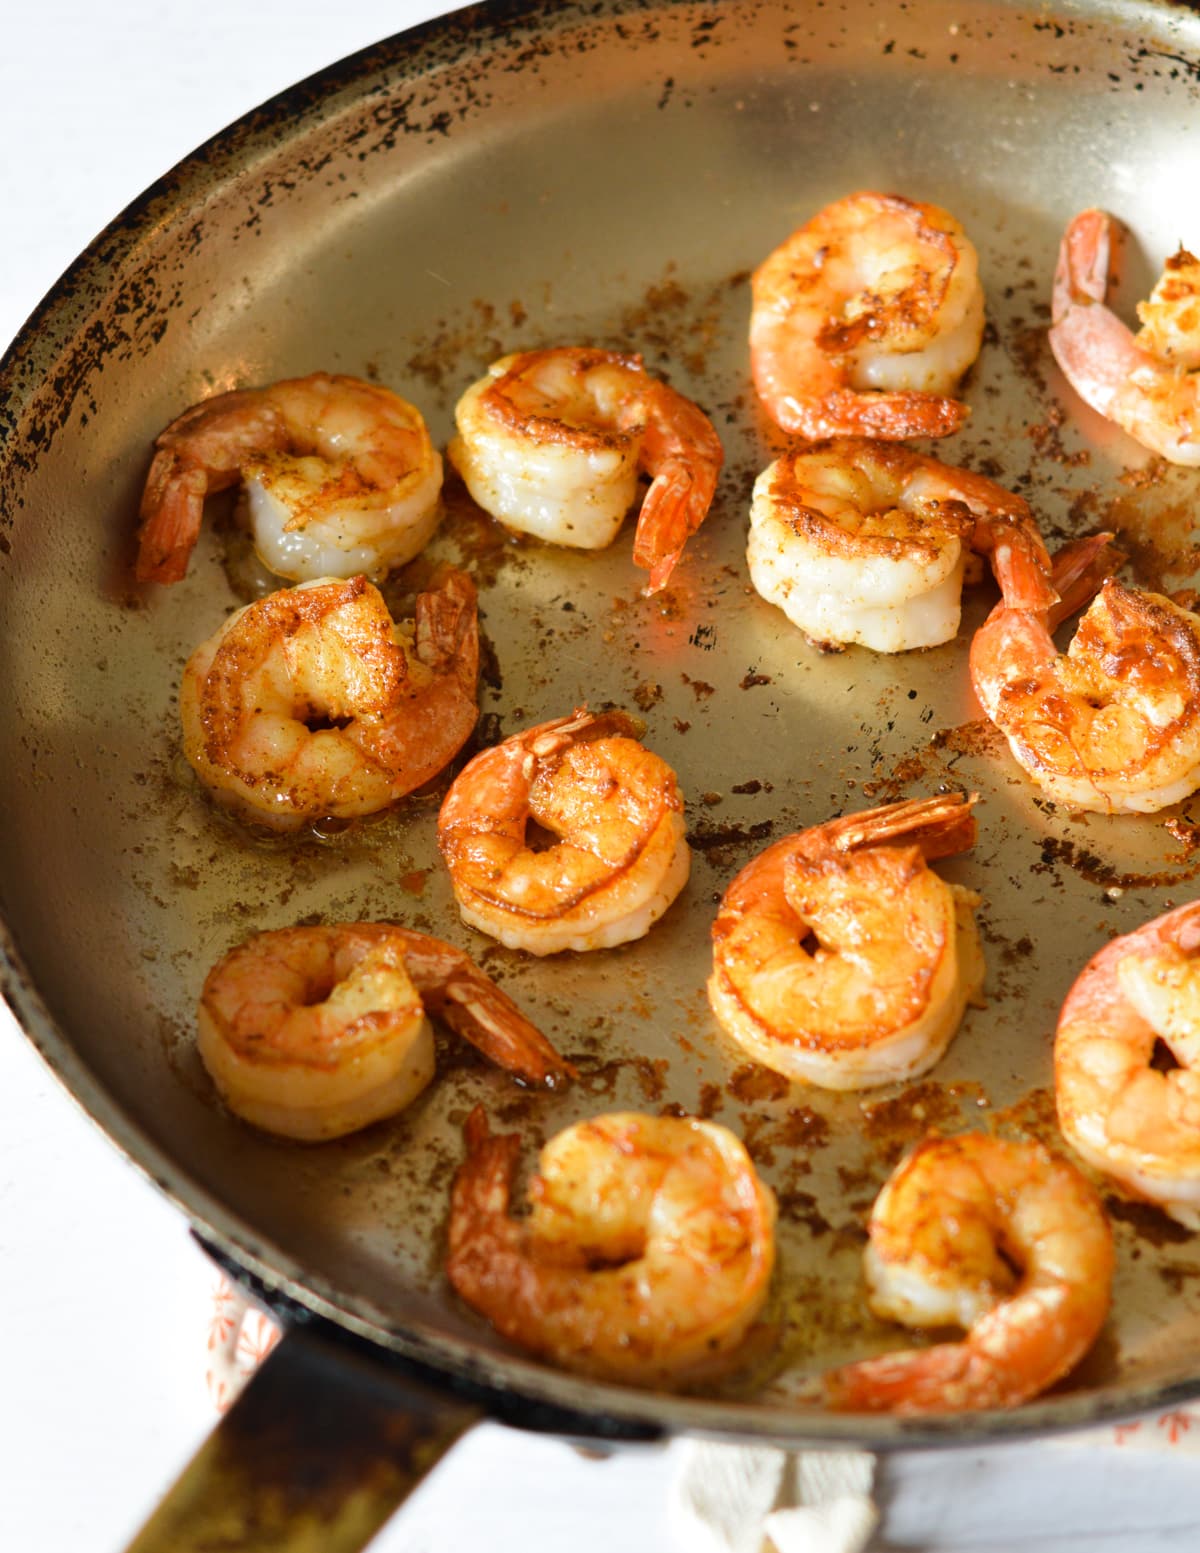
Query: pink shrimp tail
{"points": [[941, 826], [928, 1380], [1021, 565], [1094, 349], [889, 416], [684, 455], [1084, 262], [1079, 569], [674, 508], [171, 512], [482, 1190]]}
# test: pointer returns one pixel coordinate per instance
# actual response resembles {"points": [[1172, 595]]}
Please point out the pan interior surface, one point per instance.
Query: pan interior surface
{"points": [[511, 178]]}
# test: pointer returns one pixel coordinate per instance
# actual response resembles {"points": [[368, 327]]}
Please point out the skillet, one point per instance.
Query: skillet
{"points": [[336, 208]]}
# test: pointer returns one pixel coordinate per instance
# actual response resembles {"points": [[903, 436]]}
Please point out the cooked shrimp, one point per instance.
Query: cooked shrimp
{"points": [[551, 442], [1147, 383], [339, 477], [839, 958], [615, 814], [1137, 1122], [865, 542], [646, 1256], [865, 319], [313, 1032], [1003, 1239], [1113, 725], [312, 702]]}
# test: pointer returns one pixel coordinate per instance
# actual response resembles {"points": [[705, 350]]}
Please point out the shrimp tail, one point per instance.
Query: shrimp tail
{"points": [[671, 512], [551, 738], [1085, 258], [929, 1380], [171, 512], [457, 991], [433, 720], [481, 1194], [891, 417], [1079, 569], [1095, 350], [447, 628], [677, 503], [683, 455], [941, 826], [1020, 562]]}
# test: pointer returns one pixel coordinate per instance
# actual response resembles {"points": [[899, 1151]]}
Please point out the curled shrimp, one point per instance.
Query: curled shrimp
{"points": [[1113, 724], [1135, 1121], [840, 958], [645, 1258], [613, 809], [865, 319], [551, 443], [1004, 1239], [860, 541], [313, 702], [314, 1032], [1147, 383], [339, 477]]}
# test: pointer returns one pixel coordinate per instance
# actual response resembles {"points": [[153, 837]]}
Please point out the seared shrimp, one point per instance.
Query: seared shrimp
{"points": [[646, 1256], [839, 958], [339, 477], [865, 319], [1113, 725], [1137, 1122], [551, 442], [615, 814], [313, 1032], [1003, 1239], [312, 702], [1147, 383], [865, 542]]}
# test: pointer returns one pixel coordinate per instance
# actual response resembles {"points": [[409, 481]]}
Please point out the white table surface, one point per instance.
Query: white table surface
{"points": [[104, 1300]]}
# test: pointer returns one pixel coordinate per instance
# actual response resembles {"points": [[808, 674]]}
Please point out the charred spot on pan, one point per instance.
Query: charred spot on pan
{"points": [[1056, 851], [752, 1082], [710, 1101], [1176, 1276], [708, 838], [799, 1131], [802, 1208], [901, 1119], [1146, 1220]]}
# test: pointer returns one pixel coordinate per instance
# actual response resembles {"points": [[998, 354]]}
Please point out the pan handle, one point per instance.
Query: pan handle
{"points": [[318, 1450]]}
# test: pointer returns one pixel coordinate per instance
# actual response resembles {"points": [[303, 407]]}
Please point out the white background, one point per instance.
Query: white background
{"points": [[104, 1301]]}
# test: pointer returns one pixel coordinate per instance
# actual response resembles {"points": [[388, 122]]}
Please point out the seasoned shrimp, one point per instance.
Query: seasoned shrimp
{"points": [[646, 1256], [866, 542], [1147, 383], [1134, 1120], [312, 702], [1003, 1239], [339, 477], [839, 958], [865, 319], [1113, 725], [313, 1032], [615, 814], [551, 442]]}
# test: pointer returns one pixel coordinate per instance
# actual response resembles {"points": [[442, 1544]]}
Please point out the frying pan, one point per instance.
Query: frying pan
{"points": [[508, 176]]}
